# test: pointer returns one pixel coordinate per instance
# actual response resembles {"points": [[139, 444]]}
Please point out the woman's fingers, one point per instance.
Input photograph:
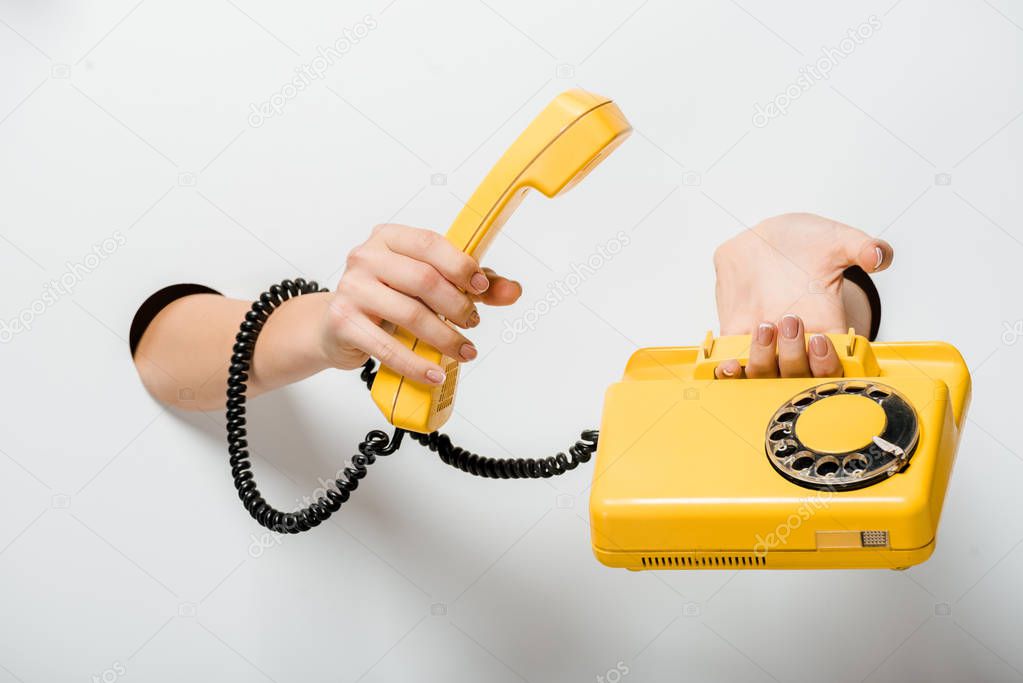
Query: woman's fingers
{"points": [[355, 328], [387, 304], [823, 357], [425, 245], [763, 361], [782, 351], [414, 279], [457, 267], [792, 360], [729, 369], [423, 281], [501, 292]]}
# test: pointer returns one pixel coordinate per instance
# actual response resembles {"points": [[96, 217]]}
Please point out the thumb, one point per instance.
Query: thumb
{"points": [[501, 292], [860, 249]]}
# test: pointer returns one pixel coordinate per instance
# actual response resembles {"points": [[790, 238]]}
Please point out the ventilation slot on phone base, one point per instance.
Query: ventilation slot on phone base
{"points": [[703, 561]]}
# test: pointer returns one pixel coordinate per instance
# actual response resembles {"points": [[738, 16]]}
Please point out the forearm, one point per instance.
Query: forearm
{"points": [[400, 276], [184, 355]]}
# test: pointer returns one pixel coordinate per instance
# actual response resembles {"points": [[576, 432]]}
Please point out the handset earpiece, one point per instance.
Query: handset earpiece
{"points": [[570, 137]]}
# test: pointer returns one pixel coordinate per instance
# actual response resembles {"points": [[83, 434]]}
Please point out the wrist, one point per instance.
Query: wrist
{"points": [[338, 327], [314, 350], [289, 347]]}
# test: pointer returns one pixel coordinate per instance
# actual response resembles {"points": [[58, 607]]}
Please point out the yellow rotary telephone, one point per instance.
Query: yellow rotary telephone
{"points": [[697, 473]]}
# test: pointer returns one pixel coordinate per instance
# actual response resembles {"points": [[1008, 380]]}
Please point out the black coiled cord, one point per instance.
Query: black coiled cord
{"points": [[376, 444], [509, 468]]}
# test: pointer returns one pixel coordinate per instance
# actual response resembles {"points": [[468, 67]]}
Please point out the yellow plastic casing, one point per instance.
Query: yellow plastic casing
{"points": [[682, 479], [573, 134]]}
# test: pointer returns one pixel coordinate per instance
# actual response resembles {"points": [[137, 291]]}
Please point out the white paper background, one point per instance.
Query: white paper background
{"points": [[124, 552]]}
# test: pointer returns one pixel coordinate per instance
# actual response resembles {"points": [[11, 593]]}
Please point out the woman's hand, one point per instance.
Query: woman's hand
{"points": [[792, 263], [408, 277], [781, 351], [783, 278], [399, 276]]}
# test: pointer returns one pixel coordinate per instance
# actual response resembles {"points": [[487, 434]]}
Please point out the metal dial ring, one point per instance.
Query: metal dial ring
{"points": [[887, 454]]}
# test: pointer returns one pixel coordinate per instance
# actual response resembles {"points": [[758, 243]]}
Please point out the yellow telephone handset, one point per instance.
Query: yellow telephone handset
{"points": [[573, 134]]}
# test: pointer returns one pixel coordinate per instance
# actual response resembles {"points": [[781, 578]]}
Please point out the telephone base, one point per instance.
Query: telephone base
{"points": [[694, 472]]}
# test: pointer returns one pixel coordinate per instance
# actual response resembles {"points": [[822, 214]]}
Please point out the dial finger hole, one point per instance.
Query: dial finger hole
{"points": [[827, 389], [802, 462], [854, 388], [826, 466], [855, 463], [785, 449]]}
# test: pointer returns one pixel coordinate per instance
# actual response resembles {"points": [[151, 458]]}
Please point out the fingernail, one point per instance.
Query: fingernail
{"points": [[819, 345], [880, 257], [467, 351], [790, 326], [479, 282], [435, 376], [727, 371], [765, 334], [474, 319]]}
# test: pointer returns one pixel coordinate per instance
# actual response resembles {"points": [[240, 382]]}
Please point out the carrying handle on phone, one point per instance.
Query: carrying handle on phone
{"points": [[854, 352]]}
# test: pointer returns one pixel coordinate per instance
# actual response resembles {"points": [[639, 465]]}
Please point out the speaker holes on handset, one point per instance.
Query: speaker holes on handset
{"points": [[447, 391]]}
